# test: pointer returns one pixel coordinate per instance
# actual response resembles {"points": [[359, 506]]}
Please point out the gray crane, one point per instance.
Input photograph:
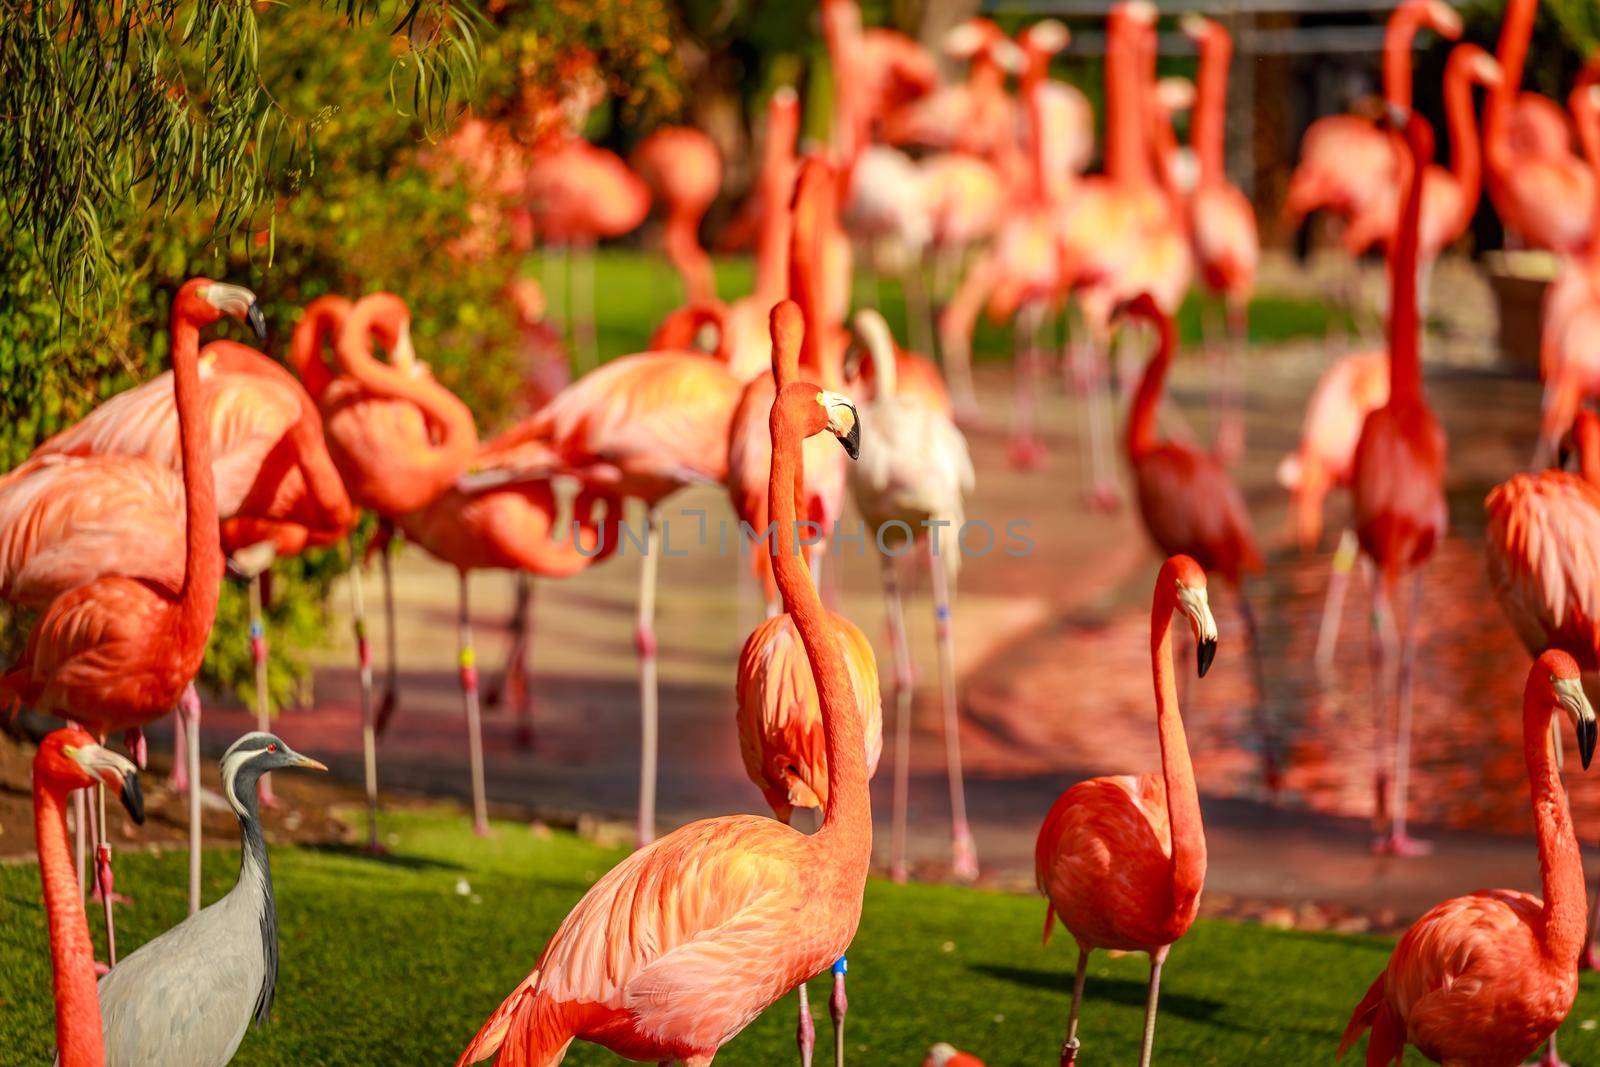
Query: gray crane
{"points": [[188, 996]]}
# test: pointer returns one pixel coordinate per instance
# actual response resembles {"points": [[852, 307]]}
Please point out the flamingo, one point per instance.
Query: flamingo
{"points": [[1347, 162], [1221, 220], [916, 471], [1486, 977], [781, 737], [1572, 304], [643, 426], [1190, 505], [277, 490], [724, 916], [1398, 488], [68, 760], [1545, 194], [579, 194], [1122, 860], [399, 440], [117, 653], [974, 116], [749, 440], [684, 171], [1449, 197], [1353, 387], [508, 525]]}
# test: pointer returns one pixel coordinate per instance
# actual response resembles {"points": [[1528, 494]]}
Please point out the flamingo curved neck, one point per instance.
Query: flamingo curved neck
{"points": [[1466, 159], [1177, 773], [1126, 157], [316, 330], [846, 833], [777, 175], [1560, 865], [1399, 36], [813, 194], [79, 1038], [1516, 33], [1405, 360], [1142, 419]]}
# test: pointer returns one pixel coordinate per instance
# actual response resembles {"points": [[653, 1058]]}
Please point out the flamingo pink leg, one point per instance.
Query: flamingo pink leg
{"points": [[1026, 450], [1271, 771], [187, 727], [391, 689], [903, 683], [1104, 494], [1157, 958], [469, 699], [1551, 1057], [1069, 1048], [513, 686], [369, 733], [838, 1006], [645, 636], [1381, 656], [1344, 561], [1400, 843], [964, 852], [805, 1035], [258, 659]]}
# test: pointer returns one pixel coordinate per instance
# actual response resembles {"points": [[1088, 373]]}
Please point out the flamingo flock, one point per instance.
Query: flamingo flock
{"points": [[119, 530]]}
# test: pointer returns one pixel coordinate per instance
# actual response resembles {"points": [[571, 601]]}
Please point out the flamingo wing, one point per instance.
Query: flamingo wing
{"points": [[1544, 560], [914, 465], [1191, 506]]}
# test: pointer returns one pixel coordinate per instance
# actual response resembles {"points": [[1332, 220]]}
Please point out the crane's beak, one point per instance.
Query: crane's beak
{"points": [[257, 321]]}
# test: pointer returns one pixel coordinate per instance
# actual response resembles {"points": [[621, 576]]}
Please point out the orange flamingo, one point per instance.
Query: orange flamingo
{"points": [[1122, 860], [1349, 390], [117, 653], [1191, 506], [749, 440], [1545, 194], [278, 492], [1221, 220], [1486, 977], [69, 760], [509, 526], [779, 718], [724, 916], [975, 116], [684, 171], [1398, 490], [643, 427], [1571, 324]]}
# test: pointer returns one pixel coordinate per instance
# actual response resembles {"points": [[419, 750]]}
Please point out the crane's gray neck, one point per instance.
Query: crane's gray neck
{"points": [[255, 879]]}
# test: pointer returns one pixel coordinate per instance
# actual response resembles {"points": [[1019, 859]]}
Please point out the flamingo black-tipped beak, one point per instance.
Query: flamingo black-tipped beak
{"points": [[257, 321], [852, 442], [132, 797], [1586, 739], [1204, 652]]}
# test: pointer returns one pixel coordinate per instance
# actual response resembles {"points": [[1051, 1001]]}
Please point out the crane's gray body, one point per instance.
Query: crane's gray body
{"points": [[188, 996]]}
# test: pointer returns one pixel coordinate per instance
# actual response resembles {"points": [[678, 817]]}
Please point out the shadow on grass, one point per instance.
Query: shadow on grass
{"points": [[381, 859], [1116, 990]]}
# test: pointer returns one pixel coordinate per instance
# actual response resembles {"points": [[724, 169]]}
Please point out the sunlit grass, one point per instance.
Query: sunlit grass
{"points": [[398, 960]]}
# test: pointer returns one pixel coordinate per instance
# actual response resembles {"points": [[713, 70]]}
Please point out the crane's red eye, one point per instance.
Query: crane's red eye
{"points": [[272, 748]]}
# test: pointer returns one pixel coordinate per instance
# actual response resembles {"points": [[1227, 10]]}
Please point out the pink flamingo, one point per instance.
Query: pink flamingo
{"points": [[1222, 222], [1545, 194], [1572, 307], [117, 653], [509, 526], [1398, 491], [643, 427], [1122, 860], [1496, 947], [1348, 391], [723, 916], [69, 760], [911, 485], [975, 116], [684, 171], [781, 737], [579, 194]]}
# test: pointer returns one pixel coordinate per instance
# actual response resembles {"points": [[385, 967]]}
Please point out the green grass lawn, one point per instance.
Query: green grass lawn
{"points": [[385, 962], [634, 290]]}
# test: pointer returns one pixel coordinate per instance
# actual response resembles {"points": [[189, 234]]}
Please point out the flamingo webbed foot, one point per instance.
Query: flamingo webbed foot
{"points": [[1401, 845]]}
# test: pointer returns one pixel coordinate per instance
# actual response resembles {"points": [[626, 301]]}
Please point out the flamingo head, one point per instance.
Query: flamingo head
{"points": [[1045, 37], [1482, 68], [1554, 680], [1185, 581], [1441, 18], [842, 421], [71, 758], [1196, 27], [203, 301]]}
